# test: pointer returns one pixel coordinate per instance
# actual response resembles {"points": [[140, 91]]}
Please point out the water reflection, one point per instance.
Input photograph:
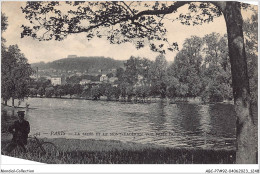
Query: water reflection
{"points": [[190, 121], [157, 116]]}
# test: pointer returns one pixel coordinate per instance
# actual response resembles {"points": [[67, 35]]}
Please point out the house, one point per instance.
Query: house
{"points": [[78, 73], [72, 56], [56, 81], [103, 78], [85, 81], [113, 70], [34, 76]]}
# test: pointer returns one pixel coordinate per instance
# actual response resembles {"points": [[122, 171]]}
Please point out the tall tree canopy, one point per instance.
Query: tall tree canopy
{"points": [[123, 21], [15, 74], [15, 70]]}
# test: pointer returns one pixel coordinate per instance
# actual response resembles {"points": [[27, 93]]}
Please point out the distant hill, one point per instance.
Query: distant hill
{"points": [[90, 64]]}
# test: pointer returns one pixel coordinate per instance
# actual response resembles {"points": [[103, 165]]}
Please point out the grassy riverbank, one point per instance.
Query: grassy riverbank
{"points": [[116, 152], [74, 151]]}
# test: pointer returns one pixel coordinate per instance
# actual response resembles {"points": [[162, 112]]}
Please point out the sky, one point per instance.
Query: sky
{"points": [[77, 44]]}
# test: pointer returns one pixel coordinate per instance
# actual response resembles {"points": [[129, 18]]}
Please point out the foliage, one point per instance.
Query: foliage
{"points": [[109, 92], [158, 75], [95, 93], [77, 89], [250, 28], [73, 80], [116, 92], [142, 92], [59, 91], [129, 92], [4, 22], [131, 72], [33, 92], [125, 21], [49, 92], [120, 74], [4, 25], [40, 91], [15, 72]]}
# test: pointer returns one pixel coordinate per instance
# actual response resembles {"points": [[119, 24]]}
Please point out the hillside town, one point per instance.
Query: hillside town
{"points": [[61, 77]]}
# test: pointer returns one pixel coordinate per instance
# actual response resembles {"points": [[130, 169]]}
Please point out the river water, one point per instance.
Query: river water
{"points": [[173, 125]]}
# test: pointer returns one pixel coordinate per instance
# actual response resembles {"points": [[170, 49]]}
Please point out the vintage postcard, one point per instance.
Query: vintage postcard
{"points": [[129, 82]]}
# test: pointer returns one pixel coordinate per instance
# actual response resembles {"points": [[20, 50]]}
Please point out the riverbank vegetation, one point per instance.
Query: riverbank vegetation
{"points": [[200, 70]]}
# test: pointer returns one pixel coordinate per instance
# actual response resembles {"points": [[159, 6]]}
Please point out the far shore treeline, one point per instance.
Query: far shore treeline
{"points": [[200, 69]]}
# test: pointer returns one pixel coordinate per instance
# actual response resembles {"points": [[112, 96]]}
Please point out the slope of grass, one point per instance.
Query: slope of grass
{"points": [[116, 152]]}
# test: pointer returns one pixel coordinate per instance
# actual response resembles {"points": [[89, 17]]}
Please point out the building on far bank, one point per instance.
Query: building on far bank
{"points": [[56, 81], [85, 81], [113, 70], [78, 73], [103, 78], [72, 56]]}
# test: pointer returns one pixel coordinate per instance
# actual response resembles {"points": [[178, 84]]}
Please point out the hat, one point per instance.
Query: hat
{"points": [[21, 113]]}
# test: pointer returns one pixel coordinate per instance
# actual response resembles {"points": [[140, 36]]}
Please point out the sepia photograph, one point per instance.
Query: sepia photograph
{"points": [[130, 82]]}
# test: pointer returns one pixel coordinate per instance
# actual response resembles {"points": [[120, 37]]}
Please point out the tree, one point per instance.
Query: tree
{"points": [[49, 92], [4, 25], [77, 88], [73, 80], [43, 82], [33, 92], [216, 72], [109, 92], [131, 72], [172, 86], [120, 74], [68, 89], [158, 74], [187, 66], [40, 91], [15, 73], [58, 91], [129, 92], [95, 93], [212, 50], [136, 67], [146, 23], [123, 89], [116, 92]]}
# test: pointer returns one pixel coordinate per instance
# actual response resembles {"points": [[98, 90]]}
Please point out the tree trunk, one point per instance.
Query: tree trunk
{"points": [[246, 138], [12, 102], [6, 102]]}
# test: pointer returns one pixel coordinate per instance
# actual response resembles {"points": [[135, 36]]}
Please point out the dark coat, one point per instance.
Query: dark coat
{"points": [[20, 131]]}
